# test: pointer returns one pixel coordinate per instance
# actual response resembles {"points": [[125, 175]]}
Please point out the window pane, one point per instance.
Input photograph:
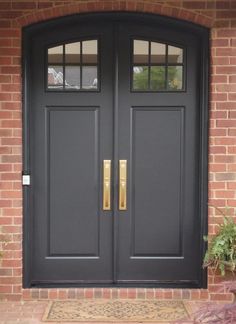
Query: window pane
{"points": [[89, 77], [175, 54], [55, 77], [90, 51], [140, 52], [157, 80], [72, 77], [140, 78], [55, 55], [72, 52], [175, 77], [158, 53]]}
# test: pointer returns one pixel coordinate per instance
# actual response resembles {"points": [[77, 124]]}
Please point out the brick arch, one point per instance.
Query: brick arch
{"points": [[142, 6]]}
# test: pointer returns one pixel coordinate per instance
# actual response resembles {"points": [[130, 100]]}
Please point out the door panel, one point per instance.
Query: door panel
{"points": [[158, 134], [156, 160], [72, 137]]}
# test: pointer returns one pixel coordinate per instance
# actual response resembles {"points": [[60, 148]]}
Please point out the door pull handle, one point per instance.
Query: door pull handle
{"points": [[123, 185], [107, 185]]}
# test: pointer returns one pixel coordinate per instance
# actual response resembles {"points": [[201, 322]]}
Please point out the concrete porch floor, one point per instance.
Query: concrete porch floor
{"points": [[31, 312]]}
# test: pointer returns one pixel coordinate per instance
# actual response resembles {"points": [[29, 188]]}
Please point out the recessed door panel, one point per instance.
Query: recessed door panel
{"points": [[73, 175], [157, 135]]}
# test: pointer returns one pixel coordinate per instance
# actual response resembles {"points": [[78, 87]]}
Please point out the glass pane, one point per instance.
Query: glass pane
{"points": [[140, 52], [55, 55], [175, 77], [55, 77], [157, 78], [72, 77], [140, 78], [90, 51], [158, 53], [89, 77], [175, 54], [72, 52]]}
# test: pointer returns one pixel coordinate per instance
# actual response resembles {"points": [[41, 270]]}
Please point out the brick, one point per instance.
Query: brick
{"points": [[224, 194], [5, 23], [226, 69], [221, 297], [194, 4], [231, 185], [11, 141], [5, 96], [5, 61], [216, 185], [220, 42], [219, 78], [226, 123], [227, 87], [43, 5], [217, 149], [11, 124], [217, 167], [11, 194], [225, 141], [226, 14], [232, 96], [227, 33], [5, 289], [225, 51], [222, 5], [217, 132], [228, 176], [231, 167], [23, 5], [225, 158]]}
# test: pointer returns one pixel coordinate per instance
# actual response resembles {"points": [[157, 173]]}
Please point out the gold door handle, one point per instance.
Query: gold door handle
{"points": [[123, 185], [107, 185]]}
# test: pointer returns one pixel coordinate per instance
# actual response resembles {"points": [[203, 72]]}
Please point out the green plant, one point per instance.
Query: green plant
{"points": [[221, 252]]}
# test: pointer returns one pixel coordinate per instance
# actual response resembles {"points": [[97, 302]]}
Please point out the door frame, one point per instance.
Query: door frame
{"points": [[203, 92]]}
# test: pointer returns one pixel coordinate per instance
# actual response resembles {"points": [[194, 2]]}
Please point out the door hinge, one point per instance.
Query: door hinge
{"points": [[25, 179]]}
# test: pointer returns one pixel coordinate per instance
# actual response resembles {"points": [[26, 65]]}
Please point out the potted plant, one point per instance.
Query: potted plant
{"points": [[221, 252]]}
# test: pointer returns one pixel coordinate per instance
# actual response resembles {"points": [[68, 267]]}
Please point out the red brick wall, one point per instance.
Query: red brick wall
{"points": [[220, 16]]}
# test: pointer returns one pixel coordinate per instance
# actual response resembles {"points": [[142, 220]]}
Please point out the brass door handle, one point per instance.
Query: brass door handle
{"points": [[107, 185], [122, 184]]}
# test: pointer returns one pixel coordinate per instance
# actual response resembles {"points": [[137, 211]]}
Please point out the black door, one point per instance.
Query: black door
{"points": [[114, 154]]}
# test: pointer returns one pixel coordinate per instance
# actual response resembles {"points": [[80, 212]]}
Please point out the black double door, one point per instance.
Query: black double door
{"points": [[125, 93]]}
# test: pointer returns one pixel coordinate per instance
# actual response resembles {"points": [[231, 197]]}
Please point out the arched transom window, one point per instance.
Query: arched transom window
{"points": [[73, 66], [157, 66]]}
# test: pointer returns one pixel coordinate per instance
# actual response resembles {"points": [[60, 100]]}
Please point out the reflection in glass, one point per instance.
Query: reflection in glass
{"points": [[158, 52], [157, 78], [55, 76], [141, 49], [175, 54], [90, 51], [140, 78], [72, 53], [55, 55], [89, 77], [72, 77], [175, 77]]}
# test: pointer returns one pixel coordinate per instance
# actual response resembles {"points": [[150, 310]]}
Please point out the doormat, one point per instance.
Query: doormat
{"points": [[100, 310]]}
